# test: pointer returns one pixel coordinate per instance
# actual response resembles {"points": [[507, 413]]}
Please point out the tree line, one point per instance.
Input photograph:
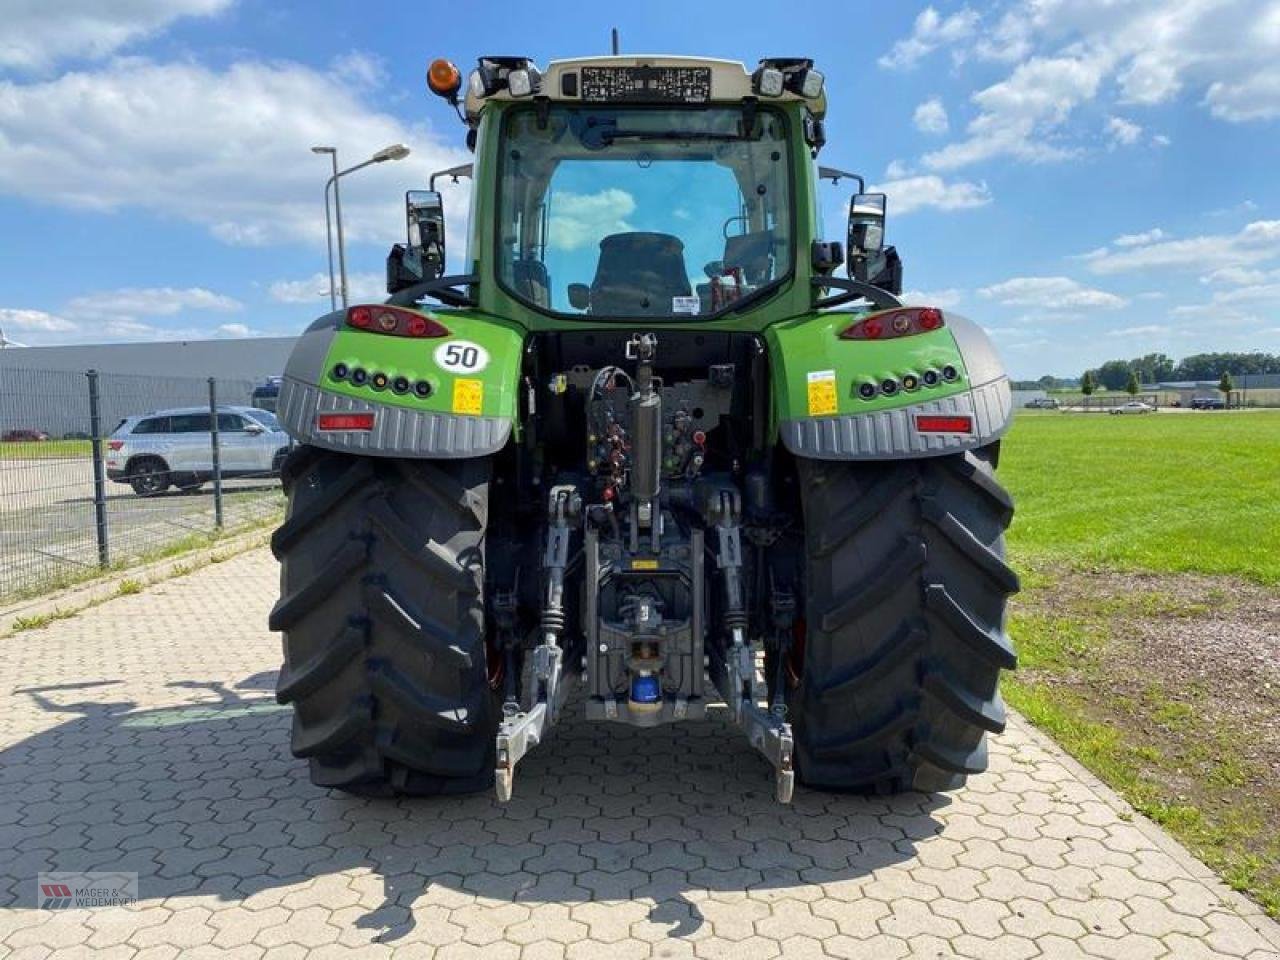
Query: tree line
{"points": [[1158, 368]]}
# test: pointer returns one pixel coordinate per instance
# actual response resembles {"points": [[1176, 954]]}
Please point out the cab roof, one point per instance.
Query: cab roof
{"points": [[563, 81]]}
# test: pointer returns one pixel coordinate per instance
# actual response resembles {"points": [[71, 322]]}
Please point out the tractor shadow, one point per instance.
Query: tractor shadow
{"points": [[204, 798]]}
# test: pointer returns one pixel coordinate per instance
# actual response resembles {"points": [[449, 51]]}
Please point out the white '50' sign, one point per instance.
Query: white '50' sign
{"points": [[461, 356]]}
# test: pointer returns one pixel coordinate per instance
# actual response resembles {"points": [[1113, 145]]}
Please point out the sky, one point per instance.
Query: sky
{"points": [[1088, 179]]}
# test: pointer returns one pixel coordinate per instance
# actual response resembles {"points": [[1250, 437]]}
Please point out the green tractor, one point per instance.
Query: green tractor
{"points": [[649, 448]]}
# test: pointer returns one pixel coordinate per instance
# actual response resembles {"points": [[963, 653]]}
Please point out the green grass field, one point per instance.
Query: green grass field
{"points": [[1154, 531], [45, 450], [1192, 492]]}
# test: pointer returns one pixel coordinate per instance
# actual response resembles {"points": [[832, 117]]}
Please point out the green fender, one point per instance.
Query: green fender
{"points": [[467, 408], [819, 412]]}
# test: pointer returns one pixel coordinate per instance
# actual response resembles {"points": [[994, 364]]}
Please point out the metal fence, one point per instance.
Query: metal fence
{"points": [[70, 506]]}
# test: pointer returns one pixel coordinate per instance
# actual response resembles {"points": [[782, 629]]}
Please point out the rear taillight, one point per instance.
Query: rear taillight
{"points": [[114, 444], [394, 321], [345, 421], [937, 423], [887, 324]]}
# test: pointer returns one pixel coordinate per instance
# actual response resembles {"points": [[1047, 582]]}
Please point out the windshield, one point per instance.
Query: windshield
{"points": [[642, 212]]}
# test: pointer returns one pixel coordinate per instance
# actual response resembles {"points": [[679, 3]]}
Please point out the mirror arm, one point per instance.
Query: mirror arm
{"points": [[453, 173], [439, 288], [835, 176], [853, 290]]}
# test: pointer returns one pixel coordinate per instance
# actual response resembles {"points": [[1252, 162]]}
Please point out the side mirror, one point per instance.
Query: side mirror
{"points": [[422, 257], [424, 213], [255, 428], [866, 224], [869, 260], [579, 296]]}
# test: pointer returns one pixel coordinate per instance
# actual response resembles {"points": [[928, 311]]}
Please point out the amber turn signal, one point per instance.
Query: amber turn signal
{"points": [[444, 79]]}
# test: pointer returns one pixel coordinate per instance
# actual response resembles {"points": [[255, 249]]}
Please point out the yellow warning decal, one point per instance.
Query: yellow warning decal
{"points": [[644, 564], [822, 393], [468, 396]]}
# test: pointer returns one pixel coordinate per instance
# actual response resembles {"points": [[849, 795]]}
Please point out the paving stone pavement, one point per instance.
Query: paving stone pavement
{"points": [[142, 736]]}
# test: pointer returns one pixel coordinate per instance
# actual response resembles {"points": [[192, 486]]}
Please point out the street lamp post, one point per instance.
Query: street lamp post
{"points": [[397, 151], [328, 224]]}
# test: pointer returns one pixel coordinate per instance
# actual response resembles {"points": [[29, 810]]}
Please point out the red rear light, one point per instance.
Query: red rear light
{"points": [[944, 424], [929, 318], [886, 324], [115, 444], [345, 421], [395, 321]]}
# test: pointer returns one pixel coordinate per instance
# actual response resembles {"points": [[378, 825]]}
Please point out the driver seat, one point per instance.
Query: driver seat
{"points": [[638, 273]]}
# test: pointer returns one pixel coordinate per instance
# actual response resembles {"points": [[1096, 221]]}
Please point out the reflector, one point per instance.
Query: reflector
{"points": [[940, 423], [345, 421]]}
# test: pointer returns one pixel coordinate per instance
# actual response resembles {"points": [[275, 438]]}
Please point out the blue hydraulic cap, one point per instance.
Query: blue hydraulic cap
{"points": [[645, 689]]}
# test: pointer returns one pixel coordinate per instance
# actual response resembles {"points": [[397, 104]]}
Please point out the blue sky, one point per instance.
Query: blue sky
{"points": [[1088, 178]]}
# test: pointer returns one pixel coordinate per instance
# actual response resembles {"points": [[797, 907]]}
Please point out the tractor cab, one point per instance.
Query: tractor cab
{"points": [[656, 188]]}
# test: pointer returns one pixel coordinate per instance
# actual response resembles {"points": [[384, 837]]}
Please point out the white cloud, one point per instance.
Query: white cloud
{"points": [[1139, 239], [583, 220], [1051, 293], [360, 69], [226, 149], [38, 34], [946, 299], [930, 31], [931, 117], [361, 287], [37, 320], [234, 330], [130, 302], [1020, 115], [931, 191], [1123, 132], [1145, 330], [1256, 243], [1256, 97], [1160, 140], [1238, 275], [1070, 52], [897, 170]]}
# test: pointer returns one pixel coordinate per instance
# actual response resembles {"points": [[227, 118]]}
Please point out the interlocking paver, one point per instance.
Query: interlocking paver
{"points": [[148, 739]]}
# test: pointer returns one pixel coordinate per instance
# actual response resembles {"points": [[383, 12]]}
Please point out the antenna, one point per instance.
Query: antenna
{"points": [[614, 33]]}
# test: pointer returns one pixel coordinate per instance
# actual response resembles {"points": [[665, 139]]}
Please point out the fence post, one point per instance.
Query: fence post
{"points": [[99, 472], [217, 459]]}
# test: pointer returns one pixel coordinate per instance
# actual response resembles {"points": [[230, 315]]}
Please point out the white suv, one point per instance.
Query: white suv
{"points": [[168, 448]]}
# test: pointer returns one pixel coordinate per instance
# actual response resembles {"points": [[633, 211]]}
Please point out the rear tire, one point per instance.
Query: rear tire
{"points": [[904, 639], [382, 609], [149, 476]]}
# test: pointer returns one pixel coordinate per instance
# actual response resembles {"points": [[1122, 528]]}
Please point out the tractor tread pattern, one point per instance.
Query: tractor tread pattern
{"points": [[905, 595], [396, 701]]}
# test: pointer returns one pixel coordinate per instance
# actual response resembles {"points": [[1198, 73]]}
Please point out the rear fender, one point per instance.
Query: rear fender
{"points": [[472, 374], [820, 414]]}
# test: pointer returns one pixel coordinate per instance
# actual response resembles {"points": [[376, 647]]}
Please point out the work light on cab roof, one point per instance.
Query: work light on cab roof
{"points": [[659, 436]]}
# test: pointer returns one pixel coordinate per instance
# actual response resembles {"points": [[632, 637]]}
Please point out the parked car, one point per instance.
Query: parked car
{"points": [[1133, 406], [168, 448], [23, 435], [1208, 403], [1042, 403]]}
